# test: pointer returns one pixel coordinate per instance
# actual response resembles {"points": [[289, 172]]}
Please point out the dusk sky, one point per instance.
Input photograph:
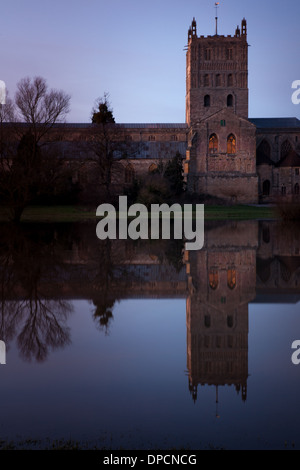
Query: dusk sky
{"points": [[134, 50]]}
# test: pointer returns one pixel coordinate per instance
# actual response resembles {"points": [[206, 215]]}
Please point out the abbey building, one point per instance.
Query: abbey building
{"points": [[226, 154]]}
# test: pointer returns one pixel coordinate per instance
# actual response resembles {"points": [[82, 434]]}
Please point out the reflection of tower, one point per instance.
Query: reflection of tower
{"points": [[222, 283]]}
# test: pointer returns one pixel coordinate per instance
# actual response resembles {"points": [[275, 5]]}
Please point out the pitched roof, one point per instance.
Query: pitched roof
{"points": [[263, 123]]}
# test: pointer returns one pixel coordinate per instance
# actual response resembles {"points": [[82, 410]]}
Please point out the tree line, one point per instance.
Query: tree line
{"points": [[32, 170]]}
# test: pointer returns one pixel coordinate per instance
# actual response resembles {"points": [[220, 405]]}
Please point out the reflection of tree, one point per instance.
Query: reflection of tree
{"points": [[30, 263], [107, 276], [42, 327], [102, 314]]}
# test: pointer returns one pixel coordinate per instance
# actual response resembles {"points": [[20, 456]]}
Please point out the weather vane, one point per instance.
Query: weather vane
{"points": [[216, 7]]}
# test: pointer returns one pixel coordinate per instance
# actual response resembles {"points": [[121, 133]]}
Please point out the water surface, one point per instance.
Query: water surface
{"points": [[141, 345]]}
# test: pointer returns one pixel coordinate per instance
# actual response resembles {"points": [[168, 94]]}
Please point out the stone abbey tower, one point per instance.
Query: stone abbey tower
{"points": [[221, 146]]}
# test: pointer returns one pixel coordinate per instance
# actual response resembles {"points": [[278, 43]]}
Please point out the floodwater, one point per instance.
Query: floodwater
{"points": [[141, 345]]}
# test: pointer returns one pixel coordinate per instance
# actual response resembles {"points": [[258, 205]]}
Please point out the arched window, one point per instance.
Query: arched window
{"points": [[213, 145], [218, 80], [263, 150], [206, 80], [296, 188], [207, 321], [153, 168], [283, 190], [129, 173], [231, 278], [229, 100], [266, 188], [285, 148], [206, 101], [231, 144], [230, 80], [213, 279], [266, 235], [229, 321]]}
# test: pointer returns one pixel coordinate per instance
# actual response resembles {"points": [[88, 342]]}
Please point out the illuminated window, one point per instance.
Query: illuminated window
{"points": [[231, 278], [152, 168], [231, 144], [213, 145], [213, 279]]}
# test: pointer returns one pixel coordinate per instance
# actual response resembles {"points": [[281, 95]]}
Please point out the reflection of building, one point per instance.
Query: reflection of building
{"points": [[240, 263], [278, 263], [221, 278]]}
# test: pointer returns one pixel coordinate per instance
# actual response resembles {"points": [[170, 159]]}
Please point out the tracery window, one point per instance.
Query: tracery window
{"points": [[231, 144], [213, 278], [213, 145], [231, 278]]}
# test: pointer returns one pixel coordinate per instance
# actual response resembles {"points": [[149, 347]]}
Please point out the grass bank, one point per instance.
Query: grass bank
{"points": [[57, 214], [240, 212]]}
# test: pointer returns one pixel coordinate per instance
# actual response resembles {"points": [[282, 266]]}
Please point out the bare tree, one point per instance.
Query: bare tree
{"points": [[39, 108], [27, 166]]}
